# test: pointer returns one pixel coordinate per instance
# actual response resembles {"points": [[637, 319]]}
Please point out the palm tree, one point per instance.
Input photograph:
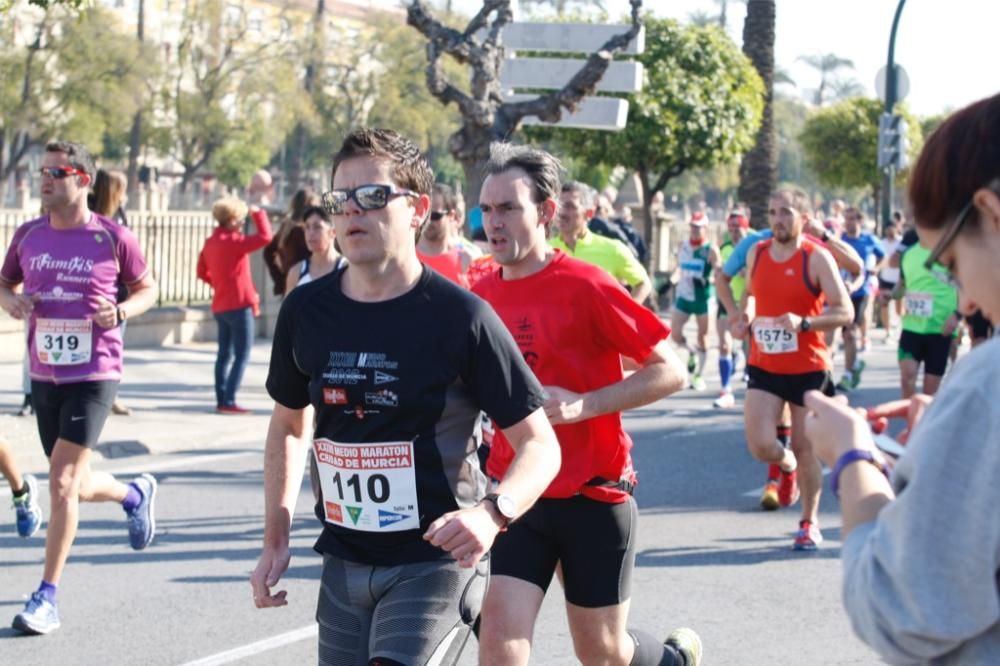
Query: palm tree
{"points": [[826, 64], [759, 169], [846, 88]]}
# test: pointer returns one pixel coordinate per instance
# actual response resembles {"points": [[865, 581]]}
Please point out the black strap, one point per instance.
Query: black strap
{"points": [[624, 485]]}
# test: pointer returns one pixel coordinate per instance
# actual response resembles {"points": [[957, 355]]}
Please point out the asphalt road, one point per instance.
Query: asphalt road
{"points": [[707, 558]]}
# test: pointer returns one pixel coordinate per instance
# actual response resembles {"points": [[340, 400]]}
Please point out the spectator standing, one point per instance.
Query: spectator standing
{"points": [[224, 263]]}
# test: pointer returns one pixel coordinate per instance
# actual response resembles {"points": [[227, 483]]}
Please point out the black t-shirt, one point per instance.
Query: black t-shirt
{"points": [[909, 239], [414, 369]]}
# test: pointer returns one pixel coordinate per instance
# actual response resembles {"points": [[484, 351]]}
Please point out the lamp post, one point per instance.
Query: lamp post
{"points": [[889, 173]]}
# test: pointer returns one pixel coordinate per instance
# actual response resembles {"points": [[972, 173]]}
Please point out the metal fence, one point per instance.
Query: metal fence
{"points": [[170, 242]]}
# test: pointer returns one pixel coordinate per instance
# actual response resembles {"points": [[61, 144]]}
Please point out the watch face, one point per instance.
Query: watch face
{"points": [[506, 506]]}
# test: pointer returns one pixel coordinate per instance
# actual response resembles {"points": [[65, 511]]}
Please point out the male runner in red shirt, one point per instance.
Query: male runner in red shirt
{"points": [[573, 323]]}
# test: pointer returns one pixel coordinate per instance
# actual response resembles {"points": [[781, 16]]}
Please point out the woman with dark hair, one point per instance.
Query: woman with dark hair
{"points": [[288, 247], [108, 198], [323, 257], [922, 550]]}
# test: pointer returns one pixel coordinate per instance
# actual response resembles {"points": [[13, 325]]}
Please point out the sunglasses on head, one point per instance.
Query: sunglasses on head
{"points": [[367, 197], [60, 172]]}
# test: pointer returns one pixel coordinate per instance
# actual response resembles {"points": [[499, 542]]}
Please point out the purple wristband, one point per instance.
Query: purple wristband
{"points": [[853, 456]]}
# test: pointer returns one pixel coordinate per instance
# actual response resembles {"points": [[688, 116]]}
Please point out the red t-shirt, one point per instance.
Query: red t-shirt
{"points": [[448, 264], [573, 322], [782, 288], [224, 264]]}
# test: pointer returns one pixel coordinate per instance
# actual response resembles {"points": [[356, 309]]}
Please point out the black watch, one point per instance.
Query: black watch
{"points": [[120, 314], [806, 325], [505, 507]]}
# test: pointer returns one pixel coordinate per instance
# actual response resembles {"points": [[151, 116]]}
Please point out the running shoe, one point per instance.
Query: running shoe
{"points": [[846, 384], [40, 616], [697, 383], [692, 365], [142, 519], [725, 400], [808, 537], [232, 409], [27, 509], [769, 498], [688, 643], [859, 367], [788, 488]]}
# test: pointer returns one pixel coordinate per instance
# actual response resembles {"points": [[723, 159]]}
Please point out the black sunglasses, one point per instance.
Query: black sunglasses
{"points": [[60, 172], [367, 197], [951, 233], [438, 214]]}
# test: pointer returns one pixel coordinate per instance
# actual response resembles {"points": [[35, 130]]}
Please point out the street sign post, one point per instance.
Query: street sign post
{"points": [[542, 73]]}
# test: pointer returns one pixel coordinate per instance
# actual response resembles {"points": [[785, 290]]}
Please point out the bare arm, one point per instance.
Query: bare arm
{"points": [[839, 312], [284, 459], [292, 278], [17, 305], [468, 534], [141, 297], [641, 291], [660, 374]]}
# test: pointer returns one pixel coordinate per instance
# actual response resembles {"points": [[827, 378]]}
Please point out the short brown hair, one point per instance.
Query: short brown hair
{"points": [[542, 168], [410, 169], [229, 208], [448, 196], [960, 157], [800, 200], [79, 157]]}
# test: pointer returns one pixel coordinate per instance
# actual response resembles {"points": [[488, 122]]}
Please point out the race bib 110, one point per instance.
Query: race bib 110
{"points": [[368, 487]]}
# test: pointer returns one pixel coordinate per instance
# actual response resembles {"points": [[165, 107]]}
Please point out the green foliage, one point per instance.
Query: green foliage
{"points": [[841, 143], [226, 86], [237, 161], [700, 106], [76, 79]]}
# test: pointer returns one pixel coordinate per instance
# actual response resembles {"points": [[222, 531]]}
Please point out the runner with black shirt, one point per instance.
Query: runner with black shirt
{"points": [[586, 520], [398, 362]]}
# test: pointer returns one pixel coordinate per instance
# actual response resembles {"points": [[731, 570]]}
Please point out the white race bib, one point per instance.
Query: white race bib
{"points": [[919, 305], [773, 339], [63, 341], [368, 487], [693, 269]]}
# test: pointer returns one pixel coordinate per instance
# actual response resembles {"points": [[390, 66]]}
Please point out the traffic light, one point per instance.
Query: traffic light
{"points": [[893, 142]]}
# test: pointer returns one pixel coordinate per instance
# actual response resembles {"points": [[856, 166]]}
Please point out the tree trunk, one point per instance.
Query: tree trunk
{"points": [[650, 225], [759, 168], [135, 136]]}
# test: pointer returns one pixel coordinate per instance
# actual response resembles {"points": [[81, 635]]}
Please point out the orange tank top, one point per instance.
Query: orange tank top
{"points": [[448, 264], [781, 288]]}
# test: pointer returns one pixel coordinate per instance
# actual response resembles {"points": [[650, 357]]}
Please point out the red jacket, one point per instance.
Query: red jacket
{"points": [[225, 266]]}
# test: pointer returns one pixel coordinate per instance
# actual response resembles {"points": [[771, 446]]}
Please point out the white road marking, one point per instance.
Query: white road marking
{"points": [[253, 649], [162, 465]]}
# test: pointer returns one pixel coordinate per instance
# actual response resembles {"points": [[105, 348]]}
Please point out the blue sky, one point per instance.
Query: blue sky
{"points": [[947, 48]]}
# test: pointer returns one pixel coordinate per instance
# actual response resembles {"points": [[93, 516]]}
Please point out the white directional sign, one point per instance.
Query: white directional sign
{"points": [[567, 37], [603, 113], [622, 76]]}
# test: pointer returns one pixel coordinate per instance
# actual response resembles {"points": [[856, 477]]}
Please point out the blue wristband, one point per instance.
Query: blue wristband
{"points": [[853, 456]]}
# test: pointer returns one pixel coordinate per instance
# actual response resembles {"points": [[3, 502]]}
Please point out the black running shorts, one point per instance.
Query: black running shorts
{"points": [[931, 349], [73, 412], [979, 326], [594, 541], [790, 388], [397, 615], [860, 307]]}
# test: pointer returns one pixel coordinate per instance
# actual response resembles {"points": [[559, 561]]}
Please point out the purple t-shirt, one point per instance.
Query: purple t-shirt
{"points": [[68, 269]]}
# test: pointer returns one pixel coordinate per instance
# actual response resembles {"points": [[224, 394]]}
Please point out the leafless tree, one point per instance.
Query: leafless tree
{"points": [[486, 117]]}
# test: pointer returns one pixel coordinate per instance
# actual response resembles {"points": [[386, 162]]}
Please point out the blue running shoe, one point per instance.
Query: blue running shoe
{"points": [[142, 519], [27, 509], [40, 616]]}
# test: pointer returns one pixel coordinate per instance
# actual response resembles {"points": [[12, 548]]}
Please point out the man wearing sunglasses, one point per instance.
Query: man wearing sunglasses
{"points": [[69, 263], [398, 362], [437, 248]]}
